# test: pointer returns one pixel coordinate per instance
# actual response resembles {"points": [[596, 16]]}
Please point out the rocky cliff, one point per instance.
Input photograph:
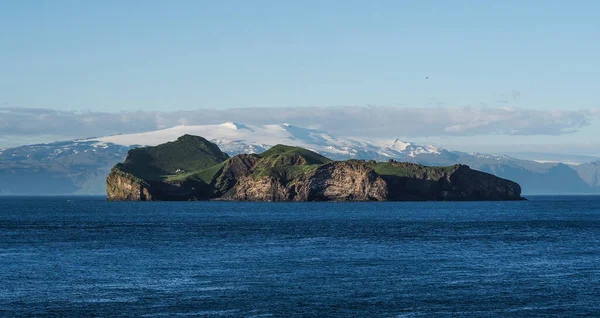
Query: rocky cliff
{"points": [[452, 183], [285, 173], [122, 186], [334, 181]]}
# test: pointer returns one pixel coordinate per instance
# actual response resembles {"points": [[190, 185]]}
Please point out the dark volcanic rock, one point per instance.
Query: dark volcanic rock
{"points": [[455, 183]]}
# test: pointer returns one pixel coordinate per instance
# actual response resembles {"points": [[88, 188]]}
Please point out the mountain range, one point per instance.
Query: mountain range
{"points": [[81, 166]]}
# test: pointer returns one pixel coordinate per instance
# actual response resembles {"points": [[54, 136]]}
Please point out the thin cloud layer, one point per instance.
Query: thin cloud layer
{"points": [[374, 121]]}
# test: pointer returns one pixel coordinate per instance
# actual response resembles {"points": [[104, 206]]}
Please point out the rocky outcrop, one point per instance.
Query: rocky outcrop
{"points": [[335, 181], [346, 181], [260, 189], [453, 183], [121, 186], [468, 184], [286, 173], [233, 170], [124, 186]]}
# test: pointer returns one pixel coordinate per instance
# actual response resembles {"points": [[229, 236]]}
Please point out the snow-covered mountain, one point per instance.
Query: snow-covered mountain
{"points": [[81, 166], [235, 138]]}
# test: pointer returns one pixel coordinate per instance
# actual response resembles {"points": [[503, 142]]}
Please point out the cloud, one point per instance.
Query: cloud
{"points": [[371, 121]]}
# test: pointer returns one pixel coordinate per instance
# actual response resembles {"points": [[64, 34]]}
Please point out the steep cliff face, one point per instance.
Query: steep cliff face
{"points": [[286, 173], [408, 181], [469, 184], [121, 186], [335, 181], [260, 189], [346, 181], [233, 170]]}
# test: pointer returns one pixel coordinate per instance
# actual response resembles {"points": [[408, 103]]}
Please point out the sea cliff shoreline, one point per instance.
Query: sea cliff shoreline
{"points": [[194, 169]]}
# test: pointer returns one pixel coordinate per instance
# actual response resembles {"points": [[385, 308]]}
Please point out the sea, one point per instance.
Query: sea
{"points": [[85, 257]]}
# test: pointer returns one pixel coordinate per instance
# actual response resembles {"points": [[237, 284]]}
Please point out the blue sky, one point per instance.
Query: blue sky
{"points": [[114, 56]]}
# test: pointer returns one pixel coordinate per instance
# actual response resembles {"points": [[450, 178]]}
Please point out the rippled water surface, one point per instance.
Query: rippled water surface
{"points": [[87, 257]]}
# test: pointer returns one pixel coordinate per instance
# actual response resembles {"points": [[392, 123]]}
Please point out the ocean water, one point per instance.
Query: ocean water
{"points": [[83, 256]]}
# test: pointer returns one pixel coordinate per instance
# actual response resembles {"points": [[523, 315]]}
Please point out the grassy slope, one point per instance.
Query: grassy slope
{"points": [[282, 151], [278, 162], [189, 153], [287, 162], [285, 172], [400, 169], [204, 175]]}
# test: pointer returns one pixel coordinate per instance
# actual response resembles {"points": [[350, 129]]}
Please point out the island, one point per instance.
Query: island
{"points": [[193, 168]]}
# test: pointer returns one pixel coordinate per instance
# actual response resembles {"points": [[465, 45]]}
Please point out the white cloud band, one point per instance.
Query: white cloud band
{"points": [[373, 121]]}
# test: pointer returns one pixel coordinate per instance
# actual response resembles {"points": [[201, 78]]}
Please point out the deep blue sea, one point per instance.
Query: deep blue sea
{"points": [[83, 256]]}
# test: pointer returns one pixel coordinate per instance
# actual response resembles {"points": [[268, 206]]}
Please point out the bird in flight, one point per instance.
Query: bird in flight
{"points": [[426, 77]]}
